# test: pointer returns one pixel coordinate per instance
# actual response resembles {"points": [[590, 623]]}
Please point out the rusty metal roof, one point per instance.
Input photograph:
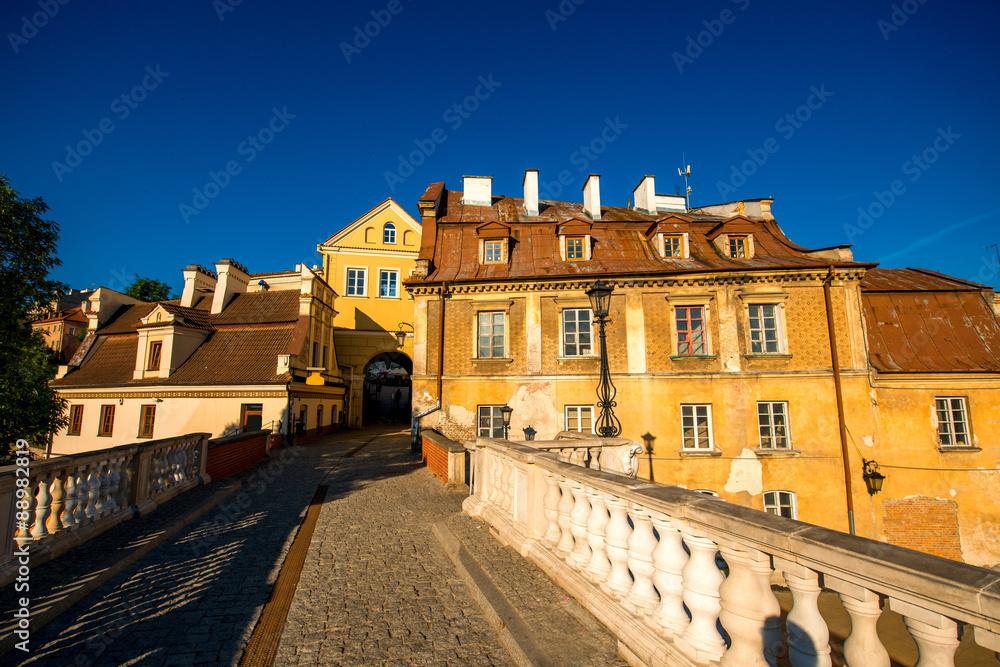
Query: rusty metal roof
{"points": [[918, 321], [620, 242]]}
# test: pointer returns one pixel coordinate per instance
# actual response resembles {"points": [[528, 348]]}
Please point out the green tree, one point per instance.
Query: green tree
{"points": [[147, 289], [29, 408]]}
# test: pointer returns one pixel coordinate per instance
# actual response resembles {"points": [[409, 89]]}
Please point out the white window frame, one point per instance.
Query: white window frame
{"points": [[770, 426], [661, 244], [389, 233], [686, 301], [586, 247], [750, 250], [692, 408], [950, 422], [395, 283], [503, 251], [579, 410], [773, 502], [492, 314], [562, 333], [494, 414], [776, 299], [347, 281]]}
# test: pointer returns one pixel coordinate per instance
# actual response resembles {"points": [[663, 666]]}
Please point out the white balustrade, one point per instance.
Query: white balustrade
{"points": [[580, 556], [642, 597], [565, 507], [808, 635], [599, 565], [669, 559], [42, 507], [863, 647], [701, 640], [551, 509], [619, 582], [750, 612]]}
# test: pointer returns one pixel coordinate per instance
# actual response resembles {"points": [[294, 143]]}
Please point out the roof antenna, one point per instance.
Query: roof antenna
{"points": [[685, 172]]}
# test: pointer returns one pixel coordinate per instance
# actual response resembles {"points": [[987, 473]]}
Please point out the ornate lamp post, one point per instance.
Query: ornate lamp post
{"points": [[608, 425], [506, 411]]}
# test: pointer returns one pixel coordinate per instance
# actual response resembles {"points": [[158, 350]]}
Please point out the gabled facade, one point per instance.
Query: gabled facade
{"points": [[235, 352], [719, 345], [366, 262], [62, 331]]}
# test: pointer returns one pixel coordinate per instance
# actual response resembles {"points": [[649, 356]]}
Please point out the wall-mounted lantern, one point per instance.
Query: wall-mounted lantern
{"points": [[529, 433], [873, 478]]}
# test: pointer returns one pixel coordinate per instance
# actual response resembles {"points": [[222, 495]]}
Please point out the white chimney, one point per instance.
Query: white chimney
{"points": [[592, 196], [645, 195], [233, 279], [531, 191], [196, 279], [478, 191]]}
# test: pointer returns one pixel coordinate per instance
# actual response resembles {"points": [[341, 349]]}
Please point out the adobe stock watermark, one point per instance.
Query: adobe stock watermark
{"points": [[583, 156], [900, 14], [914, 168], [786, 127], [363, 35], [24, 494], [31, 25], [454, 115], [696, 44], [563, 11], [122, 107], [249, 148], [223, 7]]}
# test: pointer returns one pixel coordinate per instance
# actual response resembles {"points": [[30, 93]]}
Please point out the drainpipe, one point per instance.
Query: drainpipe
{"points": [[415, 428], [840, 397], [288, 416]]}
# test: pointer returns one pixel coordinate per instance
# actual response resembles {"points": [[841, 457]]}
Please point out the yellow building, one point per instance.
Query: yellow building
{"points": [[63, 331], [366, 262], [719, 345]]}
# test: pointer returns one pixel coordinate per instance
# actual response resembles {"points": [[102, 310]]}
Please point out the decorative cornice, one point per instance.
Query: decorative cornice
{"points": [[140, 395]]}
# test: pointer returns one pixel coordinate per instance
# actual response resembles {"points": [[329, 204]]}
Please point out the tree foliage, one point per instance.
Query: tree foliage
{"points": [[29, 408], [147, 289]]}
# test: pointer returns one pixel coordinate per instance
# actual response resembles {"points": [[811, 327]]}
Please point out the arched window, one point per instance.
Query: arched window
{"points": [[389, 233]]}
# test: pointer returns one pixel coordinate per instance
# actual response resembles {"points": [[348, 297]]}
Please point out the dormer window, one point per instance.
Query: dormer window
{"points": [[740, 246], [154, 356], [494, 243], [575, 248], [389, 233], [493, 251], [673, 246]]}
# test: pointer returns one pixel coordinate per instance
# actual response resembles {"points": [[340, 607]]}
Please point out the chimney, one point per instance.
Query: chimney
{"points": [[531, 191], [478, 191], [196, 279], [645, 195], [233, 279], [592, 196]]}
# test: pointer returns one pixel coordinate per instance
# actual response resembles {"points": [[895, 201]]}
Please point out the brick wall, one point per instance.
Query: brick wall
{"points": [[924, 524], [227, 456], [436, 459]]}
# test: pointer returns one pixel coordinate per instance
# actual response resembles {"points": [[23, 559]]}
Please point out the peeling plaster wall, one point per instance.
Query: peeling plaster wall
{"points": [[746, 474]]}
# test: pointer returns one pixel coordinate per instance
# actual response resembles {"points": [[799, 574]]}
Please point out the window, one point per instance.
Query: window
{"points": [[580, 418], [356, 282], [147, 416], [319, 417], [490, 421], [493, 252], [251, 416], [315, 358], [326, 353], [75, 420], [772, 419], [388, 282], [781, 503], [574, 248], [739, 247], [764, 328], [953, 425], [154, 356], [389, 233], [107, 420], [673, 245], [491, 335], [690, 330], [696, 425], [577, 332]]}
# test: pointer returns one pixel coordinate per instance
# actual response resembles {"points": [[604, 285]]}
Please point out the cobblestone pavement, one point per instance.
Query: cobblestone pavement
{"points": [[377, 587]]}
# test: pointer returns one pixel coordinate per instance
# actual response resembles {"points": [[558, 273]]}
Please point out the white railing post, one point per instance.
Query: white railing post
{"points": [[566, 502], [750, 612], [619, 582], [54, 523], [597, 523], [863, 648], [808, 634], [669, 559], [642, 597], [69, 521], [701, 640], [936, 635], [580, 556], [43, 505], [550, 504]]}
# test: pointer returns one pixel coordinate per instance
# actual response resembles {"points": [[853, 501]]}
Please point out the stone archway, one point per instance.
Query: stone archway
{"points": [[387, 388]]}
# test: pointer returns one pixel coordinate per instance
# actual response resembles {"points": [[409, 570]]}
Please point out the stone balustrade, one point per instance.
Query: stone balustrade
{"points": [[72, 499], [685, 579], [617, 455]]}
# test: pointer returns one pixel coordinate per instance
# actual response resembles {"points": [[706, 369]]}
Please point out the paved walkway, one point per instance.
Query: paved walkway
{"points": [[377, 587]]}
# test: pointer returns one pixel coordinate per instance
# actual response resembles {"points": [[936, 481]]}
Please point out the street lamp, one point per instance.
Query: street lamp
{"points": [[506, 411], [608, 425], [401, 335], [873, 478]]}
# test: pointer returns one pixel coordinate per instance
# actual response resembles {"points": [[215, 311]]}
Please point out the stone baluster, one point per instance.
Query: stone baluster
{"points": [[642, 598], [597, 523], [69, 521], [82, 496], [618, 532], [105, 500], [566, 503], [580, 556], [863, 647], [43, 504], [99, 482], [550, 504], [936, 636], [750, 612], [54, 524], [701, 640], [113, 479], [808, 634], [182, 459], [23, 531], [488, 484], [595, 458], [669, 559], [507, 471], [93, 507]]}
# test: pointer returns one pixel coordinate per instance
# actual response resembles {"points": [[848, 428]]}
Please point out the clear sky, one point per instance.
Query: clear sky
{"points": [[169, 133]]}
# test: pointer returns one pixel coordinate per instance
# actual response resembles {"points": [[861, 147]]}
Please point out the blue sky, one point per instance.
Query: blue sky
{"points": [[169, 133]]}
